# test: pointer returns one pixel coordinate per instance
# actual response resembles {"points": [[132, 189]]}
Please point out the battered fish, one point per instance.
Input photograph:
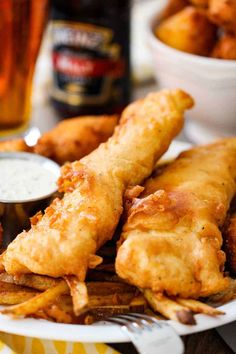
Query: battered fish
{"points": [[171, 242], [72, 139], [65, 239], [14, 145]]}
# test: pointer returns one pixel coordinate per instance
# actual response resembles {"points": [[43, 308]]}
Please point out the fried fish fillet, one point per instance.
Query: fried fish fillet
{"points": [[69, 140], [171, 241], [65, 239], [14, 145], [72, 139]]}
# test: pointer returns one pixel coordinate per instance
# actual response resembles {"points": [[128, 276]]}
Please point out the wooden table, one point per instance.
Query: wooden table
{"points": [[208, 342]]}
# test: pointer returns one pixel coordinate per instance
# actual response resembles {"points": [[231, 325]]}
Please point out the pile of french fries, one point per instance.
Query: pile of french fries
{"points": [[103, 295]]}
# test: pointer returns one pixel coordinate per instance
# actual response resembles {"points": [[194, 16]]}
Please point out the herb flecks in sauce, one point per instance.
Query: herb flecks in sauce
{"points": [[24, 180]]}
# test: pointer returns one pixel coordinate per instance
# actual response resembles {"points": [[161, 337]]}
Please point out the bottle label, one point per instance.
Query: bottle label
{"points": [[87, 64]]}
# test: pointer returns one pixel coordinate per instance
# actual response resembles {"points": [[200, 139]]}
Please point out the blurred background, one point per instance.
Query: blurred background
{"points": [[96, 56], [43, 114]]}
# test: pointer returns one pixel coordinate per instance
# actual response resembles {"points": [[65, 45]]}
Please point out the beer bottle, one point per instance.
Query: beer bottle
{"points": [[91, 56]]}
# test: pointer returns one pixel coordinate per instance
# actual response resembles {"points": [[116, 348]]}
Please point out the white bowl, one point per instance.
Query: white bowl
{"points": [[211, 82]]}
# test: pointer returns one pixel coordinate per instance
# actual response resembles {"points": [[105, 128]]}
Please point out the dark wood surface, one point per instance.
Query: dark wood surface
{"points": [[208, 342]]}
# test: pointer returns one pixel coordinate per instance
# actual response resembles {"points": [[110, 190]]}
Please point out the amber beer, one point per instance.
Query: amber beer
{"points": [[21, 27]]}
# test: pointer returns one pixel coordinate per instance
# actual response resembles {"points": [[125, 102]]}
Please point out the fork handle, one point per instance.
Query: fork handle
{"points": [[166, 341]]}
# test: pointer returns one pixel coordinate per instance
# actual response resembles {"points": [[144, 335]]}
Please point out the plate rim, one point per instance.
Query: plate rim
{"points": [[106, 333]]}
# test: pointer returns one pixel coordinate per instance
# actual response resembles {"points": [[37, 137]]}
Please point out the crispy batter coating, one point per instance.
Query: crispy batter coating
{"points": [[64, 241], [200, 3], [225, 48], [223, 13], [172, 7], [14, 145], [74, 138], [189, 31], [171, 241]]}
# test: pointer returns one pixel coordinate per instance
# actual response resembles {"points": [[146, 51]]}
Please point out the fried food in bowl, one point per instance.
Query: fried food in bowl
{"points": [[223, 14], [225, 48], [200, 3], [172, 7], [189, 31], [211, 81]]}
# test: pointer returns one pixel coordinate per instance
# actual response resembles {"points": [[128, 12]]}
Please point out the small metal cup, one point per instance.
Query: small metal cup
{"points": [[15, 215]]}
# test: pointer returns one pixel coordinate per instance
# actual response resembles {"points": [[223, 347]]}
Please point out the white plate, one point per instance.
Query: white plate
{"points": [[105, 332]]}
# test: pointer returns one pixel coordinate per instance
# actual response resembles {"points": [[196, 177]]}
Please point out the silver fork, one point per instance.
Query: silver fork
{"points": [[149, 335]]}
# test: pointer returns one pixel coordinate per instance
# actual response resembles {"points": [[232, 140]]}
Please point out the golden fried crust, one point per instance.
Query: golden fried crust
{"points": [[65, 239], [200, 3], [223, 14], [225, 48], [172, 7], [14, 146], [189, 31], [171, 241], [74, 138]]}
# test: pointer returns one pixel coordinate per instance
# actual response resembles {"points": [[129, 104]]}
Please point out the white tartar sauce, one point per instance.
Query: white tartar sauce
{"points": [[24, 180]]}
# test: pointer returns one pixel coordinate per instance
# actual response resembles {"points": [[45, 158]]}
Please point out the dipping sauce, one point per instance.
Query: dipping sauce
{"points": [[22, 179]]}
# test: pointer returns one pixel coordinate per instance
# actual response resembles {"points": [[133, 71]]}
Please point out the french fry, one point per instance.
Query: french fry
{"points": [[79, 294], [58, 315], [100, 308], [39, 282], [138, 304], [169, 308], [65, 303], [110, 267], [106, 300], [224, 296], [102, 312], [199, 307], [41, 315], [103, 295], [103, 277], [7, 278], [89, 319], [9, 287], [38, 302], [108, 288], [11, 294], [15, 297]]}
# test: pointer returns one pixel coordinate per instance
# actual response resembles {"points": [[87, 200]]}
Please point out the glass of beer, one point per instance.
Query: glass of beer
{"points": [[21, 28]]}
